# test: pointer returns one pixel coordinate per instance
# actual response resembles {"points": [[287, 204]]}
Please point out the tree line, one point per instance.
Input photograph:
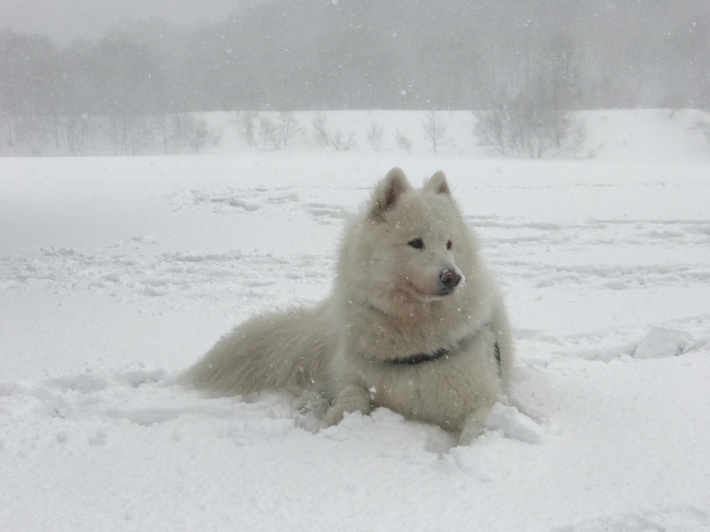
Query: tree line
{"points": [[353, 54]]}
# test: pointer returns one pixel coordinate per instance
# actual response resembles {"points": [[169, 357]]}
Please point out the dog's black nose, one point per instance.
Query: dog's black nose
{"points": [[449, 279]]}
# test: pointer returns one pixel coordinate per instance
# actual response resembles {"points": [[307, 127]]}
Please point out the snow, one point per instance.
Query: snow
{"points": [[661, 342], [117, 273]]}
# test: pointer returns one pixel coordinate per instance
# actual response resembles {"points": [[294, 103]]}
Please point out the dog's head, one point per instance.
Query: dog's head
{"points": [[409, 244]]}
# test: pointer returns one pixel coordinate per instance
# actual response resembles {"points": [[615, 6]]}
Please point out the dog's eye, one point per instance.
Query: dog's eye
{"points": [[449, 245], [417, 243]]}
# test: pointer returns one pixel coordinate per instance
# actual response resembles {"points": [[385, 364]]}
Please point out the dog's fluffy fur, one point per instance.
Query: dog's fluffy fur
{"points": [[409, 283]]}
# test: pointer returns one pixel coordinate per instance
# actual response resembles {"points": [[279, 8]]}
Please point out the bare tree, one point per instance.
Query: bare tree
{"points": [[139, 134], [161, 126], [176, 133], [196, 132], [34, 135], [87, 131], [703, 126], [375, 135], [320, 133], [490, 128], [288, 125], [403, 141], [526, 127], [214, 136], [130, 133], [435, 129], [190, 131], [339, 141], [270, 133], [246, 126], [323, 137]]}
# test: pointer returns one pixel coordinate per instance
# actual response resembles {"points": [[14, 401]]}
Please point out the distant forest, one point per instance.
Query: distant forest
{"points": [[366, 54]]}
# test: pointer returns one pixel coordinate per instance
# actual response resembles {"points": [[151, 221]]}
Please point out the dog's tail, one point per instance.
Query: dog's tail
{"points": [[280, 351]]}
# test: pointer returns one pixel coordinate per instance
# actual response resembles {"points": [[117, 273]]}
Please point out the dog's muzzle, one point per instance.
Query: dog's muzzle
{"points": [[448, 281]]}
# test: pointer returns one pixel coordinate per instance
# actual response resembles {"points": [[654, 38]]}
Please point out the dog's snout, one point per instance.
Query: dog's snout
{"points": [[449, 279]]}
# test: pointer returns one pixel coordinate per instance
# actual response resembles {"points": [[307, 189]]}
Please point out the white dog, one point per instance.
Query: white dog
{"points": [[415, 322]]}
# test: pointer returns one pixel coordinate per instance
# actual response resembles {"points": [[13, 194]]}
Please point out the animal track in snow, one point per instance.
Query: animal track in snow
{"points": [[217, 276], [682, 519], [327, 214], [610, 255], [226, 201]]}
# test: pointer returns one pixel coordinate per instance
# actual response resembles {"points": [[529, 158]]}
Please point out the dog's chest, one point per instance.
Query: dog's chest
{"points": [[437, 392]]}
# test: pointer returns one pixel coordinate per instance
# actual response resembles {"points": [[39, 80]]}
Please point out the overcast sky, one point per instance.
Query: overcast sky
{"points": [[63, 20]]}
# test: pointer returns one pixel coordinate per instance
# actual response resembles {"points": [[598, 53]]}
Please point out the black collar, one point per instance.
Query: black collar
{"points": [[420, 358]]}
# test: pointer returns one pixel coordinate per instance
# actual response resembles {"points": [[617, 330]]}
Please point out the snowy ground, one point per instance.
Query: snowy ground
{"points": [[117, 273]]}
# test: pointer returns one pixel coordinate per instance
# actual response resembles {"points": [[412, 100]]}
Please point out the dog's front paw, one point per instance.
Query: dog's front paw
{"points": [[470, 433], [313, 402], [353, 398], [473, 426], [335, 415]]}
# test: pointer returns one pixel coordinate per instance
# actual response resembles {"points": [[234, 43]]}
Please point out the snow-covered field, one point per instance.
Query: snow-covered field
{"points": [[117, 273]]}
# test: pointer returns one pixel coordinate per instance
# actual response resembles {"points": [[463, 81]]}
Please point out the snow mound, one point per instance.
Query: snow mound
{"points": [[513, 424], [661, 342]]}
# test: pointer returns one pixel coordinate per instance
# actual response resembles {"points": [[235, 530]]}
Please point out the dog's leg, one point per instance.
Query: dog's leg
{"points": [[353, 398], [474, 425]]}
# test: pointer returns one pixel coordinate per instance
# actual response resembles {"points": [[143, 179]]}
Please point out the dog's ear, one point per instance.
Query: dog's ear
{"points": [[438, 184], [388, 191]]}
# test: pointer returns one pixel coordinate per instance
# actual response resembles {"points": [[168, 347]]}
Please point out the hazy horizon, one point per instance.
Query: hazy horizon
{"points": [[143, 67], [64, 22]]}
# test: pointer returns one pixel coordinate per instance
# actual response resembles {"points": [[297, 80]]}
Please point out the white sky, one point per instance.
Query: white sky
{"points": [[64, 20]]}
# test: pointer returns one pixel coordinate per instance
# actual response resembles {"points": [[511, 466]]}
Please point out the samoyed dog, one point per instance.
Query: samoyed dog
{"points": [[414, 322]]}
